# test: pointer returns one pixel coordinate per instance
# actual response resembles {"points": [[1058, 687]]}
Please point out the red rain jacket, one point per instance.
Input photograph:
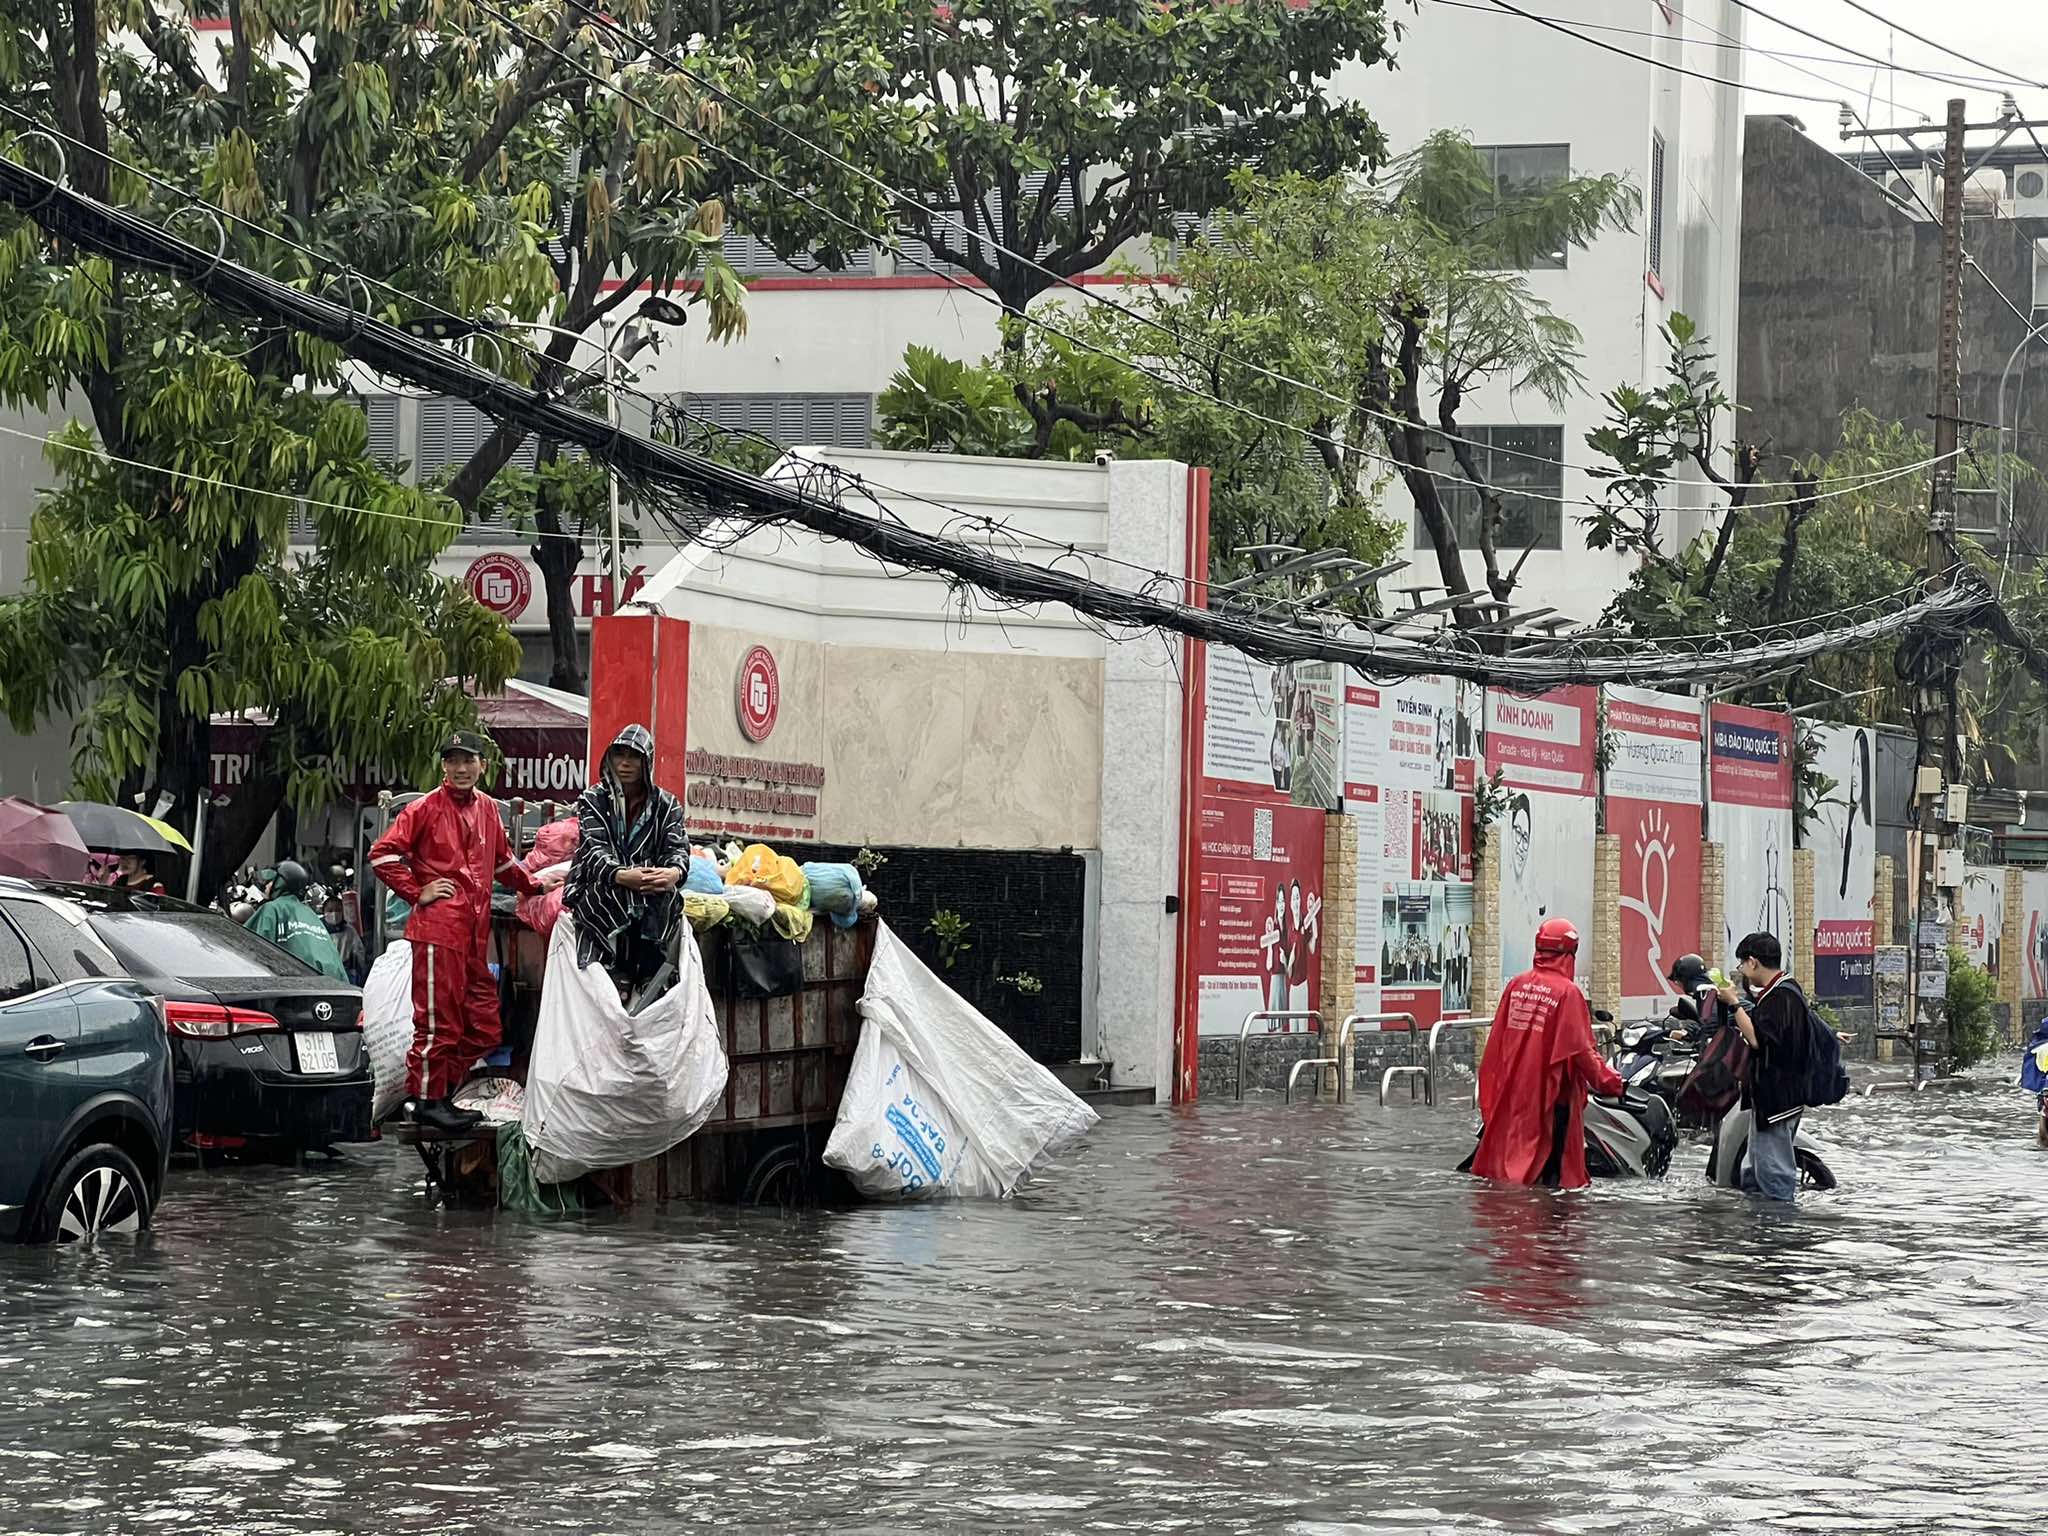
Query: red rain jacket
{"points": [[438, 837], [1540, 1054]]}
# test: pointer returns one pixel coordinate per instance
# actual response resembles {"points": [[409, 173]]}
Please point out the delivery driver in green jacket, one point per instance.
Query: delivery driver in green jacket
{"points": [[293, 926]]}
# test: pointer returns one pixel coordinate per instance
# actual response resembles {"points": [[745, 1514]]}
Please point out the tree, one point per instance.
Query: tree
{"points": [[1834, 533], [1062, 132], [157, 599], [616, 127], [1298, 348]]}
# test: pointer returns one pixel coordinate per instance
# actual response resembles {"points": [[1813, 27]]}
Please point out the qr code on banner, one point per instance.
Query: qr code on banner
{"points": [[1262, 835]]}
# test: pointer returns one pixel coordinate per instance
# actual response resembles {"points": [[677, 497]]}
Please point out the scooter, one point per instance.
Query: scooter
{"points": [[1655, 1057], [1731, 1140], [1631, 1137]]}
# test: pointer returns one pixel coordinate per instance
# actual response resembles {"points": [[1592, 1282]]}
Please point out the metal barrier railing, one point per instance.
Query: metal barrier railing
{"points": [[1434, 1059], [1270, 1016]]}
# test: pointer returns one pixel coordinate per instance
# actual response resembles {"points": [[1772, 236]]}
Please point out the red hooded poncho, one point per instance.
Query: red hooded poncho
{"points": [[1539, 1055]]}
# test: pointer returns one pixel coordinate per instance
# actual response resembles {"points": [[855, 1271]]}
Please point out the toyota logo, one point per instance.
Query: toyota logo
{"points": [[323, 1011]]}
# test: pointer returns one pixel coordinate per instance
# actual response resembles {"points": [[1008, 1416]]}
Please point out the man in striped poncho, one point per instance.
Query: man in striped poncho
{"points": [[631, 859]]}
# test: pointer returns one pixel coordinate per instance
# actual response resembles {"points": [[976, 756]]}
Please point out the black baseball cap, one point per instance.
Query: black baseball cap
{"points": [[464, 741]]}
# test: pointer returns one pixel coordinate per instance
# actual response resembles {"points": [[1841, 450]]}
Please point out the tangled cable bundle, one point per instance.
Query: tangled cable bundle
{"points": [[708, 503]]}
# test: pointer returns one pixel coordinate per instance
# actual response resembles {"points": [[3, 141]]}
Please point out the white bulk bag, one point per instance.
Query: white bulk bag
{"points": [[938, 1100], [387, 1027], [606, 1087]]}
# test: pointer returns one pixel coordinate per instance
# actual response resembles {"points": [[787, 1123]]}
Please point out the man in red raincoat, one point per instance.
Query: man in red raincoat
{"points": [[1540, 1064], [442, 855]]}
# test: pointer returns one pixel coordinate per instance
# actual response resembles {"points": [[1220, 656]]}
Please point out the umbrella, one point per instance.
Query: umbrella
{"points": [[39, 843], [115, 829]]}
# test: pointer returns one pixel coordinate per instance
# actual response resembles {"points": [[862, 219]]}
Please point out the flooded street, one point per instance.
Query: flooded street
{"points": [[1242, 1318]]}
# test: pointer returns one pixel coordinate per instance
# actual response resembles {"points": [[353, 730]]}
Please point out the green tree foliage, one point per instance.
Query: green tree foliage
{"points": [[1138, 111], [1353, 318], [1798, 554], [1972, 1025], [415, 141]]}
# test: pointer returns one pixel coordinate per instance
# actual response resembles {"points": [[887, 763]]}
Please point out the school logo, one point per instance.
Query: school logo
{"points": [[760, 694]]}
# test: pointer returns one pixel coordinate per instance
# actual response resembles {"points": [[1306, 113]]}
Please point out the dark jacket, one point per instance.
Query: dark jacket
{"points": [[606, 844], [1777, 1072]]}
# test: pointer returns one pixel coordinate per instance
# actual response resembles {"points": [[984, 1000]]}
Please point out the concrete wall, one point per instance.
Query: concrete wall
{"points": [[1841, 299]]}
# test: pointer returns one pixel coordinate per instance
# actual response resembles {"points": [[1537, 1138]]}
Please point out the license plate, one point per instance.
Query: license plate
{"points": [[316, 1053]]}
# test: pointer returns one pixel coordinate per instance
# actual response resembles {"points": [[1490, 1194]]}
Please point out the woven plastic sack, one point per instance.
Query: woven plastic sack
{"points": [[750, 904], [607, 1087], [777, 874], [387, 1027], [938, 1101], [835, 891], [703, 877]]}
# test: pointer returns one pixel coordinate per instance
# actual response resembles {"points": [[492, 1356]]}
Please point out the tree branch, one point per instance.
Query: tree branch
{"points": [[1047, 411], [1747, 457], [535, 72], [1804, 499], [174, 51], [1492, 514]]}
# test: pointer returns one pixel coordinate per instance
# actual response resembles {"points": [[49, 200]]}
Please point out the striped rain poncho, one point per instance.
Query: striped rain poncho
{"points": [[656, 839]]}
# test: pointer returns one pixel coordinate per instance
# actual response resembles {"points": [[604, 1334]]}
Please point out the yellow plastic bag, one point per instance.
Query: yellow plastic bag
{"points": [[705, 911], [793, 923], [759, 865]]}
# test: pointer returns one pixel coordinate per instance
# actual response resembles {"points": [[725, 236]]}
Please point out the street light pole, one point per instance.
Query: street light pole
{"points": [[611, 475]]}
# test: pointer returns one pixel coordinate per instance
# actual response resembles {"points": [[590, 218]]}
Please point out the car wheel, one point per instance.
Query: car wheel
{"points": [[98, 1190]]}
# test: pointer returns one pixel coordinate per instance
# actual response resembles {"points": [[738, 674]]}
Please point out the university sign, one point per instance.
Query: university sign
{"points": [[506, 583]]}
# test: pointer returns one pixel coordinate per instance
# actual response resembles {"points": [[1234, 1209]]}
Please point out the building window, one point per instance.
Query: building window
{"points": [[1526, 466], [1517, 170], [1657, 206], [794, 421]]}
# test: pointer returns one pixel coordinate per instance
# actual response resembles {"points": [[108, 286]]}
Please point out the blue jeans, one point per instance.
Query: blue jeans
{"points": [[1770, 1167]]}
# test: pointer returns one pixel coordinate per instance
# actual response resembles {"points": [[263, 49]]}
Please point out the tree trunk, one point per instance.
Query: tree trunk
{"points": [[558, 555]]}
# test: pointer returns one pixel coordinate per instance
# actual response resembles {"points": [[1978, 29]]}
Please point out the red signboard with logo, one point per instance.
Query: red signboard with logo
{"points": [[759, 693]]}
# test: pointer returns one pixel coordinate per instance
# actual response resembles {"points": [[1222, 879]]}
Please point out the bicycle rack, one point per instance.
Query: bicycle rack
{"points": [[1270, 1016], [1435, 1061], [1412, 1070], [1318, 1063], [1345, 1031]]}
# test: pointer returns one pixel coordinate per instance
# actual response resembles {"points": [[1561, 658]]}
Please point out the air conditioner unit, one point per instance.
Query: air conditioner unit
{"points": [[1983, 192], [2030, 191], [1916, 192]]}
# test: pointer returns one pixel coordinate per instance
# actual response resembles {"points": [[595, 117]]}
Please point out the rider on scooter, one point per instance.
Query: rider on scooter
{"points": [[1697, 1014], [1539, 1065]]}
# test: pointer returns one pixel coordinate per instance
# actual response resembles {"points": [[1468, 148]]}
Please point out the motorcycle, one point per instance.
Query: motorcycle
{"points": [[1731, 1140], [1631, 1137], [1656, 1056]]}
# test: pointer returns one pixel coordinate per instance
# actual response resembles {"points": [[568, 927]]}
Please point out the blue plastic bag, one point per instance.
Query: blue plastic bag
{"points": [[2033, 1066], [835, 891], [703, 877]]}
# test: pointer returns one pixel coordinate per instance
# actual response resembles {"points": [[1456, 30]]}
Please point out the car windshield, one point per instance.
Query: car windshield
{"points": [[186, 944]]}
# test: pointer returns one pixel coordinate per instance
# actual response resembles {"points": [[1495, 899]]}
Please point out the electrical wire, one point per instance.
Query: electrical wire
{"points": [[980, 291], [1953, 53], [1065, 282], [695, 487], [1855, 53], [60, 442], [1727, 43]]}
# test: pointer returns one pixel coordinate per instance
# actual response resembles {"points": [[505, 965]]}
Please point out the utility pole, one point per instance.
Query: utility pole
{"points": [[1935, 703]]}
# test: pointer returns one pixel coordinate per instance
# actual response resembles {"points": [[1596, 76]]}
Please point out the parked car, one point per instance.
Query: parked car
{"points": [[264, 1049], [85, 1084]]}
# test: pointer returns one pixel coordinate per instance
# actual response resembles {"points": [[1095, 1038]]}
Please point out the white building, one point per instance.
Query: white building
{"points": [[820, 347]]}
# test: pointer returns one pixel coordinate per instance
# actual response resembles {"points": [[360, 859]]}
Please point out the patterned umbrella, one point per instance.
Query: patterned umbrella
{"points": [[38, 843]]}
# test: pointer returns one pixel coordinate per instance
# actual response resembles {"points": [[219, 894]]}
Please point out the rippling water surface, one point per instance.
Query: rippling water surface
{"points": [[1240, 1318]]}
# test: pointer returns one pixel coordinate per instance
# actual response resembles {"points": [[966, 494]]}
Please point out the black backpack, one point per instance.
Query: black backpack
{"points": [[1827, 1080]]}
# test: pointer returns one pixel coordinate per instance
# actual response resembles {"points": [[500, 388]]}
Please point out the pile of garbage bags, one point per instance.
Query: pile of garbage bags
{"points": [[768, 890]]}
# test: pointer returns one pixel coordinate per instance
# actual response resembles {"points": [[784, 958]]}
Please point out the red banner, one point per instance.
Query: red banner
{"points": [[1660, 890], [1259, 933], [1545, 742]]}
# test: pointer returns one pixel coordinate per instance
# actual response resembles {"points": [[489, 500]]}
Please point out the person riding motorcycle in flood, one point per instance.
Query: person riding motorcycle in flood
{"points": [[1539, 1066]]}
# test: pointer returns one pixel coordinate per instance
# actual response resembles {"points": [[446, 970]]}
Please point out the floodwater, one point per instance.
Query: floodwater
{"points": [[1241, 1318]]}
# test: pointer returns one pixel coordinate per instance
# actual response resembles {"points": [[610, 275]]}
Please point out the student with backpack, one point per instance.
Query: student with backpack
{"points": [[1796, 1063]]}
